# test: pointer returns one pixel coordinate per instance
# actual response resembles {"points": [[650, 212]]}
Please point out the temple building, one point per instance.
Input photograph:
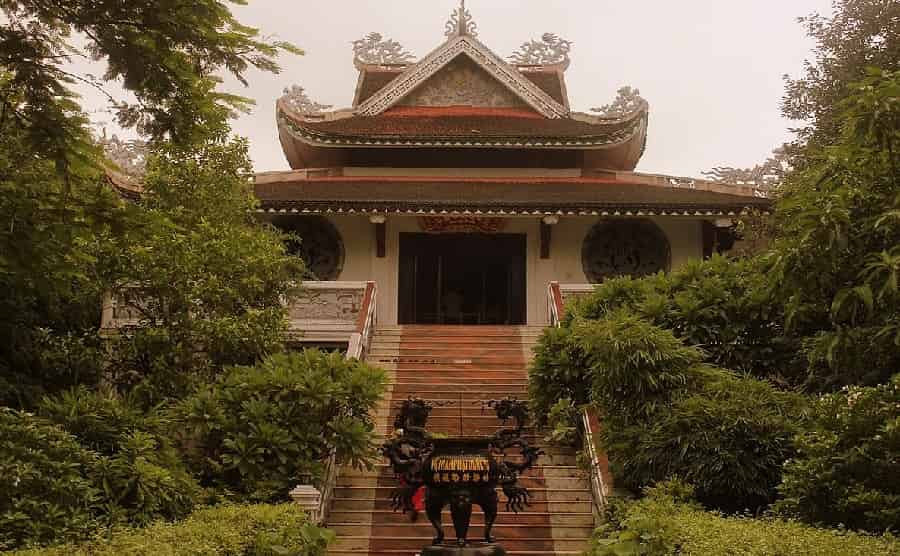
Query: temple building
{"points": [[445, 218], [463, 184]]}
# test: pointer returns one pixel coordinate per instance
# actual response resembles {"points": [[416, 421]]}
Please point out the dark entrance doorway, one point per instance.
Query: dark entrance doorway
{"points": [[462, 279]]}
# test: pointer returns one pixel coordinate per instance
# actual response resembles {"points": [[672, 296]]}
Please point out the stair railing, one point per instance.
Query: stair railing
{"points": [[599, 488], [361, 338]]}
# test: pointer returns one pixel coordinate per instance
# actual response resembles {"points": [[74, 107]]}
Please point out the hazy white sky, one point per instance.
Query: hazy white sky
{"points": [[711, 69]]}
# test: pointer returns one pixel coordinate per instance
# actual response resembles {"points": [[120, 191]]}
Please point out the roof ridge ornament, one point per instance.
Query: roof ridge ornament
{"points": [[374, 49], [461, 23], [628, 100], [551, 50], [295, 96]]}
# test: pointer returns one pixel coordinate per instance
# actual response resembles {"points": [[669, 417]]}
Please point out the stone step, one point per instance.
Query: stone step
{"points": [[423, 382], [535, 544], [446, 397], [408, 331], [419, 366], [453, 388], [441, 341], [537, 506], [450, 352], [423, 529], [528, 481], [508, 359], [409, 382], [547, 471], [336, 552], [538, 494], [379, 517]]}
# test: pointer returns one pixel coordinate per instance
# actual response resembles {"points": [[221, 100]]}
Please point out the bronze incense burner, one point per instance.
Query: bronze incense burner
{"points": [[460, 471]]}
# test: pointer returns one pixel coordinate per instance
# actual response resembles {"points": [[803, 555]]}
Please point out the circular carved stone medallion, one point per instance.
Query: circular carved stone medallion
{"points": [[624, 248], [319, 245]]}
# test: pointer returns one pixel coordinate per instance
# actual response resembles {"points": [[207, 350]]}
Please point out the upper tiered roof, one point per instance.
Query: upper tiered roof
{"points": [[461, 96]]}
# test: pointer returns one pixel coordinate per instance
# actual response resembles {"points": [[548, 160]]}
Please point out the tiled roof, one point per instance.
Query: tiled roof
{"points": [[445, 126], [372, 81], [551, 82], [577, 195]]}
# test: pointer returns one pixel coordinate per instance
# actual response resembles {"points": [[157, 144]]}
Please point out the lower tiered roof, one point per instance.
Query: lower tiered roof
{"points": [[607, 193]]}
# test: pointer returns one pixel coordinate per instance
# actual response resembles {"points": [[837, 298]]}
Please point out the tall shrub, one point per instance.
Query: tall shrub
{"points": [[723, 306], [259, 431], [847, 467], [48, 491], [140, 473], [665, 413]]}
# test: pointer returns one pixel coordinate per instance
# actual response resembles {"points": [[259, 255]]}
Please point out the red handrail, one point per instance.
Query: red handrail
{"points": [[362, 320]]}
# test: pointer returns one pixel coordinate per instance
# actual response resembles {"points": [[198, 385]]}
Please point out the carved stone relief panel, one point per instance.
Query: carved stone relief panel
{"points": [[624, 248], [463, 83], [326, 304]]}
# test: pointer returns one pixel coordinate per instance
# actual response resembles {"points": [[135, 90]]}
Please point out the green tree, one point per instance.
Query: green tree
{"points": [[836, 263], [56, 213], [50, 283], [858, 34], [205, 276]]}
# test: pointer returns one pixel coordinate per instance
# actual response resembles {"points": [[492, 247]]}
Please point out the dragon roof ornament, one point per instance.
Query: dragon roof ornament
{"points": [[461, 23], [550, 50], [628, 101], [296, 97], [130, 157], [374, 49], [766, 176]]}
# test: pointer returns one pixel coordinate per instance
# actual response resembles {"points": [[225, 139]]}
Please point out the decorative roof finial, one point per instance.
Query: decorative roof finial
{"points": [[550, 51], [461, 23], [375, 49]]}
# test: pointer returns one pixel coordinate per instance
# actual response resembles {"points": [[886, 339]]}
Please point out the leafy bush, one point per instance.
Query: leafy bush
{"points": [[557, 372], [140, 473], [847, 469], [98, 418], [663, 524], [232, 530], [562, 421], [729, 438], [665, 413], [46, 489], [724, 306], [259, 430], [623, 363]]}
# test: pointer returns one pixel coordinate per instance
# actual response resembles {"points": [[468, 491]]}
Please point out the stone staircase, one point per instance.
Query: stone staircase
{"points": [[457, 368]]}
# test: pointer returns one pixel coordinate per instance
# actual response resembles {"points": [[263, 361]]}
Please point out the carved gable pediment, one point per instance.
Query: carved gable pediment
{"points": [[462, 82], [462, 60]]}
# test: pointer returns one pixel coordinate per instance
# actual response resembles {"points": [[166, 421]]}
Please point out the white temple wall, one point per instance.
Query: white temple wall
{"points": [[359, 248], [564, 265]]}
